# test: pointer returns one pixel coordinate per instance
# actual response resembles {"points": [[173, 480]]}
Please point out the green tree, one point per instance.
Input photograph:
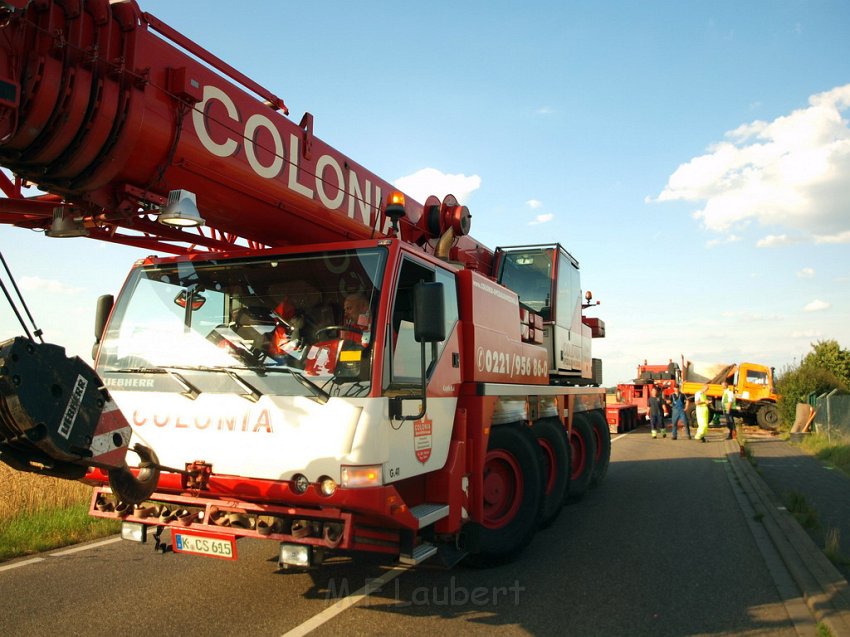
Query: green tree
{"points": [[825, 368], [829, 355]]}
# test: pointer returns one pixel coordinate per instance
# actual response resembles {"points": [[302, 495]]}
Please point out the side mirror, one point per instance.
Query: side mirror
{"points": [[104, 308], [429, 313], [101, 315]]}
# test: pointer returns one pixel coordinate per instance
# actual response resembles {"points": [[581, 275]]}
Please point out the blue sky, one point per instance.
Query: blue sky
{"points": [[693, 156]]}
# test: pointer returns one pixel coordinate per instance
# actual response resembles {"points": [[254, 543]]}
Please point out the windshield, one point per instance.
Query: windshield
{"points": [[308, 314], [529, 274]]}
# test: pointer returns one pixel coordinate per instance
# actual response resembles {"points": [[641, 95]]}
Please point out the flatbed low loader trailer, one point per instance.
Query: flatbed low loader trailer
{"points": [[630, 407], [233, 393]]}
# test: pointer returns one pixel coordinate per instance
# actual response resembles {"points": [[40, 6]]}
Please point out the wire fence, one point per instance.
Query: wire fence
{"points": [[832, 415]]}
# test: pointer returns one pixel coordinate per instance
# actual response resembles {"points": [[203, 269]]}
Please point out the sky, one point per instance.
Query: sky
{"points": [[694, 157]]}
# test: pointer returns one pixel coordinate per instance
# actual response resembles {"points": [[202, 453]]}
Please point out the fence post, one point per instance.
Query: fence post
{"points": [[829, 408], [821, 401]]}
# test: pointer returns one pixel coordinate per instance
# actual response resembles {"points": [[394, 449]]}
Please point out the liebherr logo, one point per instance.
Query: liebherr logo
{"points": [[73, 407]]}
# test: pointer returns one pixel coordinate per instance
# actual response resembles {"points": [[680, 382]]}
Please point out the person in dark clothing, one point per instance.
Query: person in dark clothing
{"points": [[656, 414], [676, 400]]}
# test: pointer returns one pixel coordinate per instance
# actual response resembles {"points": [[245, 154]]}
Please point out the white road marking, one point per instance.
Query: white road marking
{"points": [[346, 602], [76, 549], [86, 547], [9, 567]]}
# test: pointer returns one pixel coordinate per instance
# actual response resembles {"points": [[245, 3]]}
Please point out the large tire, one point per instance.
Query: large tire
{"points": [[767, 416], [513, 493], [552, 438], [691, 414], [602, 438], [583, 453]]}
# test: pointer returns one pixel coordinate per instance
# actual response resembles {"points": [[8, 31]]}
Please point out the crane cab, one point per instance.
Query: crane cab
{"points": [[546, 279]]}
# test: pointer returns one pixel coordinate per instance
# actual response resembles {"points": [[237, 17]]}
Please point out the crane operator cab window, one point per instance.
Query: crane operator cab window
{"points": [[289, 324], [529, 273], [404, 371]]}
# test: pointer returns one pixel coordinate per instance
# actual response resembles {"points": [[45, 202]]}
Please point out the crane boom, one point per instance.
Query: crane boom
{"points": [[325, 363], [106, 109]]}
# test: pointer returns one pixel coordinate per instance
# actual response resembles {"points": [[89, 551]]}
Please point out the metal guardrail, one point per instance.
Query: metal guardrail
{"points": [[832, 414]]}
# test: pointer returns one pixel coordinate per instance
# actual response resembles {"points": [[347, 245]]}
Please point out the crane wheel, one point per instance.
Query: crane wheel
{"points": [[552, 439], [513, 492], [602, 438], [136, 489], [583, 447]]}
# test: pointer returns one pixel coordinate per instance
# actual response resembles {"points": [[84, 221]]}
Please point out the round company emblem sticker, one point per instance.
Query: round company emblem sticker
{"points": [[422, 439]]}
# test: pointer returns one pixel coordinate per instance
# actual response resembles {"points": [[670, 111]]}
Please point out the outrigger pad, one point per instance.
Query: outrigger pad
{"points": [[50, 407]]}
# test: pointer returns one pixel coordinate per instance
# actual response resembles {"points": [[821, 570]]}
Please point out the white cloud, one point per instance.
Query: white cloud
{"points": [[806, 273], [817, 306], [732, 238], [534, 204], [49, 286], [541, 219], [792, 172], [807, 334], [841, 237], [544, 110], [430, 181], [774, 240]]}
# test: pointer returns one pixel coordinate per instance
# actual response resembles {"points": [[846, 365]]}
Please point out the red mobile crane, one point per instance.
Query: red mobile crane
{"points": [[631, 406], [233, 393]]}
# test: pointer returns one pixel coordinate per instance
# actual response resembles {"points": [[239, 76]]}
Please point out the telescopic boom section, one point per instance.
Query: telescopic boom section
{"points": [[107, 110]]}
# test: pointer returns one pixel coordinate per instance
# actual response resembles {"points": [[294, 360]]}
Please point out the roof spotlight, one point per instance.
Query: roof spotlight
{"points": [[181, 210]]}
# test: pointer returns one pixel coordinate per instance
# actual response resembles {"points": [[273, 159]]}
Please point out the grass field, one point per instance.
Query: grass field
{"points": [[40, 514], [835, 453]]}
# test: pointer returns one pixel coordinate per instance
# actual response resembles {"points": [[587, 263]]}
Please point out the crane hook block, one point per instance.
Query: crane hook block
{"points": [[56, 417]]}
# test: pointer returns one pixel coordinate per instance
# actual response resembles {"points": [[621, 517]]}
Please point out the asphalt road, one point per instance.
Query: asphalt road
{"points": [[663, 547]]}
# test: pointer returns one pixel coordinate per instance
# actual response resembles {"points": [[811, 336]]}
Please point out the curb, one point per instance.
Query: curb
{"points": [[824, 589]]}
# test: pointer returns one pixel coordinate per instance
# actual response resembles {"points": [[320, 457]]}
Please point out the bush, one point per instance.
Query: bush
{"points": [[795, 384]]}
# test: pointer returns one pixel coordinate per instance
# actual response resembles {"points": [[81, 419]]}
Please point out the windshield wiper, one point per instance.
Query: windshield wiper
{"points": [[321, 395], [251, 392], [189, 390]]}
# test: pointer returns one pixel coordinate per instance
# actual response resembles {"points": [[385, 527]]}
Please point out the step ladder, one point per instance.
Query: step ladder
{"points": [[426, 514]]}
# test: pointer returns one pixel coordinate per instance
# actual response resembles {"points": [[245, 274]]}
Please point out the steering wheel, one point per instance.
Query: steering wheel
{"points": [[340, 328]]}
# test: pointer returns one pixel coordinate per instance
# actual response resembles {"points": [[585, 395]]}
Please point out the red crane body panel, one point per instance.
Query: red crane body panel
{"points": [[98, 109]]}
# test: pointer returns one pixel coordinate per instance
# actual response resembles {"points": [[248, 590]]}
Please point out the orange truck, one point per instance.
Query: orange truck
{"points": [[755, 393], [453, 416]]}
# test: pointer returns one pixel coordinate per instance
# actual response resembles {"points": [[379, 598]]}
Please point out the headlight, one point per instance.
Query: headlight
{"points": [[327, 485], [134, 531], [300, 483], [294, 555]]}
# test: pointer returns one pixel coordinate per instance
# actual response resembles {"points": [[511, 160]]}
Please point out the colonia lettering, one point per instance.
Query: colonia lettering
{"points": [[358, 202], [248, 422]]}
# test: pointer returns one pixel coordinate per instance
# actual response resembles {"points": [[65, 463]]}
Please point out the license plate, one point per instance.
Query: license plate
{"points": [[220, 546]]}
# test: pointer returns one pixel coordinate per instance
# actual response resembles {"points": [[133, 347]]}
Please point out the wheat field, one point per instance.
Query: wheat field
{"points": [[29, 492]]}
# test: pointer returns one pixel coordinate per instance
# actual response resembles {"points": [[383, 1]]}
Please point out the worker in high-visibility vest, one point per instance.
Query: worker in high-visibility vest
{"points": [[729, 403], [702, 402]]}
